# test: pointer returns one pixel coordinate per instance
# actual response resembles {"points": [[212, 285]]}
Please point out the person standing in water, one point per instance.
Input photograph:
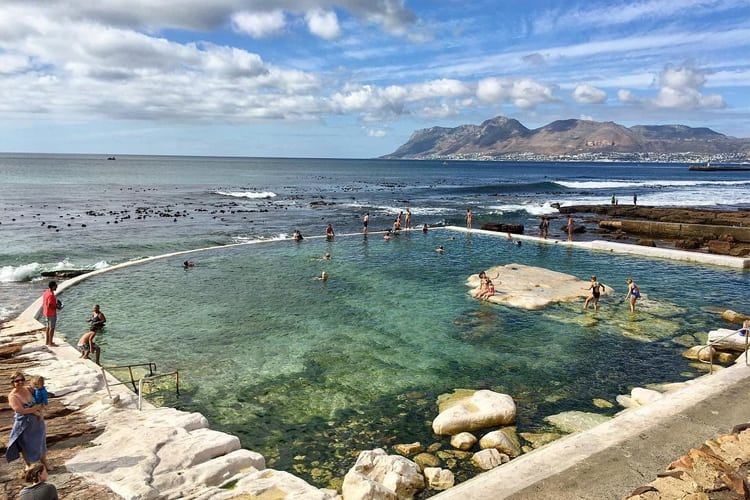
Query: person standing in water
{"points": [[570, 226], [469, 218], [329, 232], [365, 222], [635, 199], [408, 218], [544, 227], [634, 293], [596, 291]]}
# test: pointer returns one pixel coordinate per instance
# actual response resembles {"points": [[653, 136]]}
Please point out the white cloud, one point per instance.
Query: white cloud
{"points": [[588, 94], [14, 63], [376, 132], [259, 24], [627, 96], [631, 11], [324, 24], [202, 15], [679, 88], [523, 92]]}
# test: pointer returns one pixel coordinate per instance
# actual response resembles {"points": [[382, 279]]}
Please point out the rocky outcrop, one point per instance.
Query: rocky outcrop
{"points": [[503, 228], [719, 467], [729, 340], [481, 410], [110, 449], [529, 287], [733, 218], [377, 476]]}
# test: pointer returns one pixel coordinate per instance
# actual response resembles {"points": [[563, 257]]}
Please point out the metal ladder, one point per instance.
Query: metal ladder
{"points": [[139, 383], [716, 341]]}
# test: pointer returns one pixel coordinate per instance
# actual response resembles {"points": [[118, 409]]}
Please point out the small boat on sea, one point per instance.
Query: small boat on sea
{"points": [[111, 158]]}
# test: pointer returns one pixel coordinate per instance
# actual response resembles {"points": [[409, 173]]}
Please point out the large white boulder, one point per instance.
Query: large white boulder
{"points": [[483, 409], [377, 475], [726, 339]]}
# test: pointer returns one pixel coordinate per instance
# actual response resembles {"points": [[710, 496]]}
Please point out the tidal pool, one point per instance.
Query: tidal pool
{"points": [[310, 372]]}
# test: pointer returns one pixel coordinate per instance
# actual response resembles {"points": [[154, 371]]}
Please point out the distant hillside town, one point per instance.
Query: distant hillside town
{"points": [[502, 138]]}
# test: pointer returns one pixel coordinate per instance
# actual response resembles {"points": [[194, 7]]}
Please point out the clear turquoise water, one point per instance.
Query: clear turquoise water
{"points": [[298, 367]]}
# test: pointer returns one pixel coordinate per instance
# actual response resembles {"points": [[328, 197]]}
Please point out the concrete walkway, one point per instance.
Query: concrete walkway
{"points": [[612, 459]]}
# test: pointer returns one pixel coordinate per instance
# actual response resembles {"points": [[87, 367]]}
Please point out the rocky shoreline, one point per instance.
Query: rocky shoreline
{"points": [[720, 232]]}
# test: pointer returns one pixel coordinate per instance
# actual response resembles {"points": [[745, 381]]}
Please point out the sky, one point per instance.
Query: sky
{"points": [[355, 78]]}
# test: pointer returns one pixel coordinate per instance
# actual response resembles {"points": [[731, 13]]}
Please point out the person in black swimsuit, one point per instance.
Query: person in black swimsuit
{"points": [[596, 291]]}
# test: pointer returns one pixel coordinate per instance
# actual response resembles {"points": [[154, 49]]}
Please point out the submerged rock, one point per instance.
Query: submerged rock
{"points": [[576, 421], [482, 409], [538, 439], [408, 449], [377, 475], [602, 403], [734, 317], [427, 460]]}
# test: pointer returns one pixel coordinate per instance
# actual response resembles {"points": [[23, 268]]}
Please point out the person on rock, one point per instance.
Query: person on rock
{"points": [[634, 293], [570, 226], [28, 436], [50, 305], [596, 291], [86, 346], [469, 218], [489, 290]]}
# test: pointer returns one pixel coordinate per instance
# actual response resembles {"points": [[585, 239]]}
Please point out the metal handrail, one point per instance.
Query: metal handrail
{"points": [[716, 341], [151, 371], [154, 377]]}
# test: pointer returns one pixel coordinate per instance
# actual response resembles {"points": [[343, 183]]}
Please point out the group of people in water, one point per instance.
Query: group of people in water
{"points": [[596, 288]]}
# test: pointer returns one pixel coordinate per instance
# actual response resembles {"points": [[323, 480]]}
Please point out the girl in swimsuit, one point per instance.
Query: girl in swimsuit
{"points": [[596, 291], [489, 290], [482, 284], [634, 293]]}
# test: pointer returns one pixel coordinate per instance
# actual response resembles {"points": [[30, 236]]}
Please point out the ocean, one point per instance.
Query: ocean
{"points": [[309, 372], [83, 211]]}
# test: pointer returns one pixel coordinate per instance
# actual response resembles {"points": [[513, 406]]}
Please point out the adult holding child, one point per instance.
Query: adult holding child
{"points": [[28, 436]]}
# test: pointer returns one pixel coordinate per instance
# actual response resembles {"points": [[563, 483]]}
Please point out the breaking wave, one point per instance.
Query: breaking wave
{"points": [[253, 195], [644, 184], [34, 270]]}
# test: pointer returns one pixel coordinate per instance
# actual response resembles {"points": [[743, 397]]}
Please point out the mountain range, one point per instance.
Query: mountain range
{"points": [[501, 136]]}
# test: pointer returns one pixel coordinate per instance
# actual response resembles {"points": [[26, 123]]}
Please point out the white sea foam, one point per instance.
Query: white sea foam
{"points": [[395, 210], [253, 195], [33, 270], [532, 208], [683, 198], [245, 239], [6, 312], [614, 184], [24, 272]]}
